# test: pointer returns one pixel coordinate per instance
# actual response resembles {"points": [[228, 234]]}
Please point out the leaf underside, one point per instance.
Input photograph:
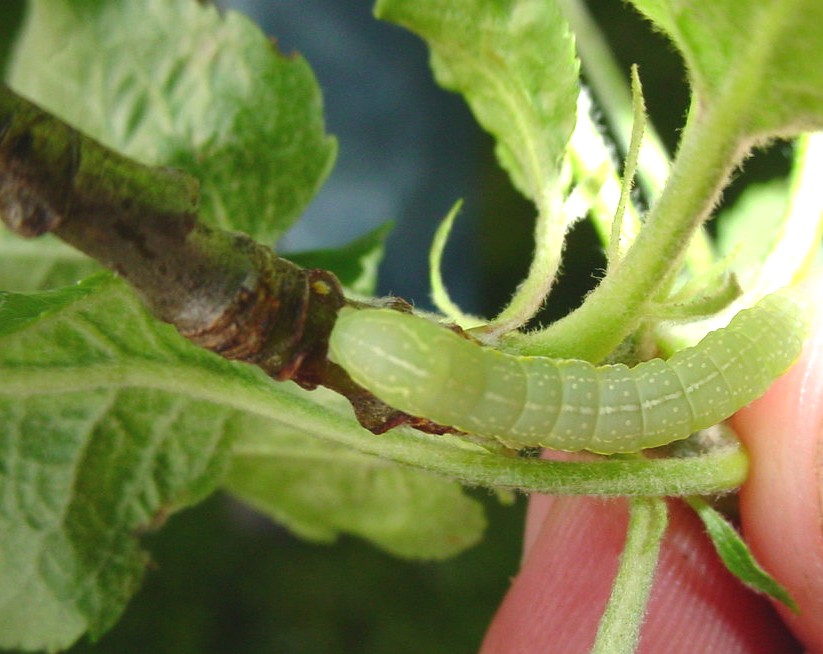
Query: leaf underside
{"points": [[111, 421]]}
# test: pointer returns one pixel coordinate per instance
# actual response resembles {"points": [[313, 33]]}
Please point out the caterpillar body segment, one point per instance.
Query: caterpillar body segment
{"points": [[425, 370]]}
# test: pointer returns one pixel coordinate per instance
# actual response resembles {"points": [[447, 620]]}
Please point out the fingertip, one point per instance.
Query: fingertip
{"points": [[558, 597], [781, 505]]}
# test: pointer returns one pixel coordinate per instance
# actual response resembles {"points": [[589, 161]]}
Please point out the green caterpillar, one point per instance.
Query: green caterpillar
{"points": [[426, 370]]}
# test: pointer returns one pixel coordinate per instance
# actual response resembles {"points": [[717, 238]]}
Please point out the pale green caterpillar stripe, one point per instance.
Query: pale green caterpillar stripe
{"points": [[426, 370]]}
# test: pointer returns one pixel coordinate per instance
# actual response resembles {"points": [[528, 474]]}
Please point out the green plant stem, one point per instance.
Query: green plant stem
{"points": [[614, 251], [619, 629], [717, 471], [550, 230], [709, 151], [793, 252], [608, 82], [138, 220], [599, 185]]}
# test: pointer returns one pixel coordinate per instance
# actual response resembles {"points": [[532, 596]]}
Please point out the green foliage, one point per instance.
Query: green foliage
{"points": [[729, 115], [48, 263], [749, 228], [179, 84], [619, 630], [355, 263], [755, 59], [91, 455], [736, 554], [109, 421], [407, 514], [11, 14], [224, 580], [500, 56]]}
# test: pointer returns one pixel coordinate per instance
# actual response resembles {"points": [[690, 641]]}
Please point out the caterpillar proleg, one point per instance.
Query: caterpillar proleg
{"points": [[424, 369]]}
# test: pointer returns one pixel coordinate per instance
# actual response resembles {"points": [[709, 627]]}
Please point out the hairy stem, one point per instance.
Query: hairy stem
{"points": [[619, 629], [709, 151]]}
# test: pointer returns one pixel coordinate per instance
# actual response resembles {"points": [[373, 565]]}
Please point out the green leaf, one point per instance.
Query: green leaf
{"points": [[754, 73], [18, 311], [110, 420], [320, 489], [355, 263], [439, 293], [85, 468], [513, 61], [700, 297], [772, 233], [758, 57], [621, 233], [27, 265], [180, 84], [736, 555], [748, 230], [11, 15]]}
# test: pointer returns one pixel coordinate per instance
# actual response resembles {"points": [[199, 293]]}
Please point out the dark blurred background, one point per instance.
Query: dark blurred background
{"points": [[227, 581]]}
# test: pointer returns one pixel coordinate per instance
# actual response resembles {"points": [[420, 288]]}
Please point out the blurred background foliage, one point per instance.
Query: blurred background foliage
{"points": [[226, 580]]}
